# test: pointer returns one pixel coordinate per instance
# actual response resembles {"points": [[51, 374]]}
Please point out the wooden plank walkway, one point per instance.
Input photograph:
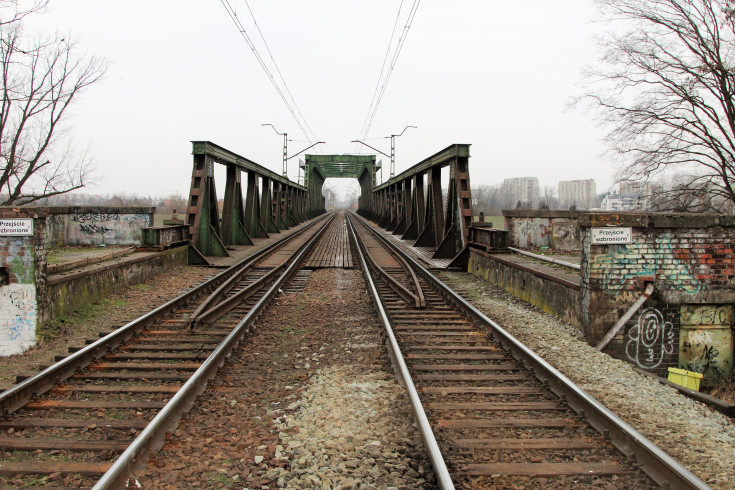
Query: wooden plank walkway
{"points": [[422, 254], [239, 252], [333, 250]]}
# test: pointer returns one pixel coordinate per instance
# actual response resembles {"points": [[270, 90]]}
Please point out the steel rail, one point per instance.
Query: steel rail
{"points": [[652, 460], [545, 258], [418, 297], [221, 308], [153, 436], [206, 310], [16, 397], [220, 292], [437, 460]]}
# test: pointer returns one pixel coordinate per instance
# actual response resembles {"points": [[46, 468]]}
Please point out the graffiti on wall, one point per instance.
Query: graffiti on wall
{"points": [[705, 344], [94, 229], [565, 234], [17, 318], [707, 315], [90, 223], [618, 259], [94, 217], [650, 340], [532, 232], [107, 228]]}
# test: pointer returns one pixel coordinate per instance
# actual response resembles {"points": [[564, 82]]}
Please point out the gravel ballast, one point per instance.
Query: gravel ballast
{"points": [[701, 439], [308, 400]]}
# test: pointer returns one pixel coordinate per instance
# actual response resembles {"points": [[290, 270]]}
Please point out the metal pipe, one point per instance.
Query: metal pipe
{"points": [[437, 460], [547, 259], [624, 319]]}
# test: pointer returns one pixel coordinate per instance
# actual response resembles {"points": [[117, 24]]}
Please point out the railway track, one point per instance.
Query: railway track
{"points": [[95, 416], [491, 412]]}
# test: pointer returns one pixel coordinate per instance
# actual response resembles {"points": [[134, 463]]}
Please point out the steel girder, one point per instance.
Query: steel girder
{"points": [[272, 202], [403, 206]]}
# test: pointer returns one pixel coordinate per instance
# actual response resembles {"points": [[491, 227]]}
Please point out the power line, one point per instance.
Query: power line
{"points": [[363, 131], [394, 60], [401, 42], [278, 70], [233, 15]]}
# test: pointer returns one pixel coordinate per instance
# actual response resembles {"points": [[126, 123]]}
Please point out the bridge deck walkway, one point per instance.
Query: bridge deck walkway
{"points": [[422, 254], [333, 250], [240, 252]]}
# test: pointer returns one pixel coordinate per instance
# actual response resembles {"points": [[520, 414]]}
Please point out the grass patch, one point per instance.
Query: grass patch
{"points": [[59, 325], [725, 390], [52, 329], [498, 222], [143, 287], [216, 477], [32, 481]]}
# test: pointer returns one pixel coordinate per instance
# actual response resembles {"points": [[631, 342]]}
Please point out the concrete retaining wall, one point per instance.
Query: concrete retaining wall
{"points": [[95, 226], [543, 228], [556, 297], [68, 293], [28, 298], [689, 258]]}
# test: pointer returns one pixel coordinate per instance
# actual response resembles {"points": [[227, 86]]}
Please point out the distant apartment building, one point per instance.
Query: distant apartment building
{"points": [[634, 189], [619, 202], [578, 193], [632, 196], [521, 189]]}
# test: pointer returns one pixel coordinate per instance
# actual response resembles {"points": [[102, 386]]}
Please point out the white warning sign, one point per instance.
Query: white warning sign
{"points": [[612, 236], [16, 227]]}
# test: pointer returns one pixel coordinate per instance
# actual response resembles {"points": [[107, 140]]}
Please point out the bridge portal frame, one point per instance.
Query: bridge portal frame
{"points": [[318, 168]]}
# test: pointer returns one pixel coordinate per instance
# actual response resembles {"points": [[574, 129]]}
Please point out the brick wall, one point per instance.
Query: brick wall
{"points": [[688, 257]]}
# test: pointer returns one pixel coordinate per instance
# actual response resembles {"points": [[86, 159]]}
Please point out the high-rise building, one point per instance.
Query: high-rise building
{"points": [[521, 189], [578, 193]]}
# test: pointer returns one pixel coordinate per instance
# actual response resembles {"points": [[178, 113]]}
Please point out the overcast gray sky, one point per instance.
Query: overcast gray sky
{"points": [[497, 75]]}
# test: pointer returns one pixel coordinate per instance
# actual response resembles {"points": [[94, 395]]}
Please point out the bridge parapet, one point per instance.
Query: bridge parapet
{"points": [[411, 204], [271, 203]]}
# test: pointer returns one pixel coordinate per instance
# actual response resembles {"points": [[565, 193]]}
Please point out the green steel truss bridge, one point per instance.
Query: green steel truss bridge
{"points": [[414, 204]]}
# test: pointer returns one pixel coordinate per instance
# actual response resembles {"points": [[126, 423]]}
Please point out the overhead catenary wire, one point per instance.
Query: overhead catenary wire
{"points": [[300, 121], [363, 131], [278, 70], [401, 42], [375, 103]]}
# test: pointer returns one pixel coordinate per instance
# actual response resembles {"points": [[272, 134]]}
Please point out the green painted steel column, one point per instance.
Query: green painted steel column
{"points": [[233, 215]]}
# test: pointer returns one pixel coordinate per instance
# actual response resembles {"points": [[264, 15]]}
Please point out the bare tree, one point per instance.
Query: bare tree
{"points": [[41, 78], [666, 87], [13, 13], [485, 198], [548, 199], [679, 195]]}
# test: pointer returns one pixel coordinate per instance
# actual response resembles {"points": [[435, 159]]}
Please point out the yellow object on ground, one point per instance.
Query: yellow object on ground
{"points": [[687, 379]]}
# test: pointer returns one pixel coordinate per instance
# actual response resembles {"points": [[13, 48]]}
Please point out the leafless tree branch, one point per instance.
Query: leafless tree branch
{"points": [[666, 89], [41, 78]]}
